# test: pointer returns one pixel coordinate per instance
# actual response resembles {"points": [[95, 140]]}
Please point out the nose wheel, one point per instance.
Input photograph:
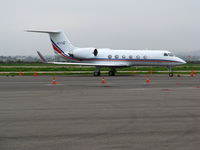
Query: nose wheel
{"points": [[171, 74]]}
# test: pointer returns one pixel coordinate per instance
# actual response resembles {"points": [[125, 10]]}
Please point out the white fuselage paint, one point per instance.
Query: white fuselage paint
{"points": [[133, 58]]}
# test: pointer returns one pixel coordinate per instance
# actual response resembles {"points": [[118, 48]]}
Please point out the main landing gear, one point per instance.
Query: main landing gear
{"points": [[112, 72], [171, 74], [97, 71]]}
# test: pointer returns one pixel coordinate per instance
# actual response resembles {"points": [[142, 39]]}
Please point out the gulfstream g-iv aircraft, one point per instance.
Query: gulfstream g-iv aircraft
{"points": [[105, 57]]}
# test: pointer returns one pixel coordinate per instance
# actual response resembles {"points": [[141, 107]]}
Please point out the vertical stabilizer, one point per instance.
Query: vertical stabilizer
{"points": [[59, 40]]}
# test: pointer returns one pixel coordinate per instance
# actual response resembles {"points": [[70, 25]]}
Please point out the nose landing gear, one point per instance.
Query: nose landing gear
{"points": [[171, 74]]}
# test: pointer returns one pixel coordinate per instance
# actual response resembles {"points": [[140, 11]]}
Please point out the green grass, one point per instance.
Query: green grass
{"points": [[42, 64], [87, 73], [50, 69], [31, 69]]}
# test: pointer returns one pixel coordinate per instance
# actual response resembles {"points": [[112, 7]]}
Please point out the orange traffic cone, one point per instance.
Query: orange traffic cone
{"points": [[53, 81], [133, 73], [102, 80], [20, 73], [35, 74], [151, 72], [192, 73], [147, 80]]}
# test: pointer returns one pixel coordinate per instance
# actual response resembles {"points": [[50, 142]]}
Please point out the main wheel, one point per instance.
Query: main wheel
{"points": [[97, 73], [171, 74], [111, 73]]}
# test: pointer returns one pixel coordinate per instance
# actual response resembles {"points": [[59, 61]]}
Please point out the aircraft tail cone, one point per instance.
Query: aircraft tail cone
{"points": [[35, 74], [53, 81], [20, 74], [147, 80]]}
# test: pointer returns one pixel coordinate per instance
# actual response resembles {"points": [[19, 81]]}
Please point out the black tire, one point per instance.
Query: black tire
{"points": [[111, 73], [171, 74], [97, 73]]}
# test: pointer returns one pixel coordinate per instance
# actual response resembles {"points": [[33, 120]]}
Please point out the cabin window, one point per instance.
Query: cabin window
{"points": [[165, 54], [116, 56], [145, 57], [123, 56], [130, 57], [138, 56], [110, 56]]}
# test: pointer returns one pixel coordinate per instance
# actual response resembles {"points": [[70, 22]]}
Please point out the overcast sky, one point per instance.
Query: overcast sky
{"points": [[118, 24]]}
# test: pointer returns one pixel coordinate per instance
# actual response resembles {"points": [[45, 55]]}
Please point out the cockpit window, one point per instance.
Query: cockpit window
{"points": [[170, 54], [165, 54]]}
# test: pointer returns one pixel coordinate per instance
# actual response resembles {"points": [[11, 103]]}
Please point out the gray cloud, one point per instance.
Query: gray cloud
{"points": [[121, 24]]}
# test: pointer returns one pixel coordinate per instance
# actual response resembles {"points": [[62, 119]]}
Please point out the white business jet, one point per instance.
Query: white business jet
{"points": [[66, 53]]}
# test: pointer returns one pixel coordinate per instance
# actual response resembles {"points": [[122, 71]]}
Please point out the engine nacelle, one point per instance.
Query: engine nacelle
{"points": [[84, 53]]}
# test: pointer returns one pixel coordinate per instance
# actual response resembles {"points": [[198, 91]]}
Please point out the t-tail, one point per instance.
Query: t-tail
{"points": [[61, 45]]}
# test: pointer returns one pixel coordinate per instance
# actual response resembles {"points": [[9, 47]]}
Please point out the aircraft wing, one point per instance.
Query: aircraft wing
{"points": [[90, 64], [83, 64]]}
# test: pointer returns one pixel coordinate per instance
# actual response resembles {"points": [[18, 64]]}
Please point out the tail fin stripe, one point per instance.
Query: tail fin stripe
{"points": [[58, 50], [57, 47]]}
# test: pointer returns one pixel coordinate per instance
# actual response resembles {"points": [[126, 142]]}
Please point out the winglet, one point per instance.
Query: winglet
{"points": [[41, 57]]}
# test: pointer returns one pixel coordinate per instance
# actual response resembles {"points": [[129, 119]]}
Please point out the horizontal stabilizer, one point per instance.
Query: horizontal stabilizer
{"points": [[43, 31]]}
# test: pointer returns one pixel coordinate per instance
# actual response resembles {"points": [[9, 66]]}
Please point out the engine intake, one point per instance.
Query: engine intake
{"points": [[95, 52]]}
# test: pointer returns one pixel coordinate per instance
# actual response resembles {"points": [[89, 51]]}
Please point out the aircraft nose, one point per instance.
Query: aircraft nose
{"points": [[181, 61]]}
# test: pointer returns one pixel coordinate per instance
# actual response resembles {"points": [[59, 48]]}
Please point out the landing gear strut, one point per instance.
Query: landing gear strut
{"points": [[171, 74], [97, 72], [112, 72]]}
